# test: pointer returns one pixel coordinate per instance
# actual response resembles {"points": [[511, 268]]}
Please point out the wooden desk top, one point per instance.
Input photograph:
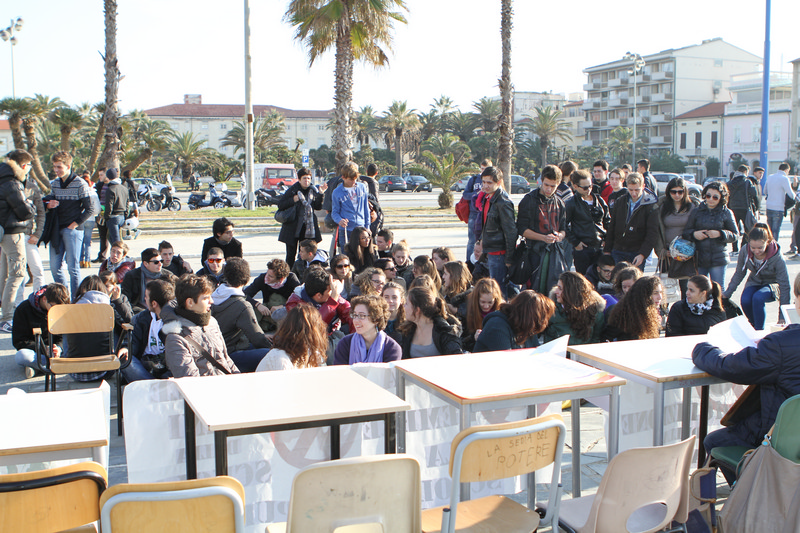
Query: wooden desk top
{"points": [[658, 360], [488, 376], [52, 421], [267, 398]]}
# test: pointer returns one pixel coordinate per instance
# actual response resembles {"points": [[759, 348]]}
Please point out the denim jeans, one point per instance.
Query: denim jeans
{"points": [[113, 225], [774, 220], [69, 251], [247, 360], [716, 273], [498, 271], [26, 357], [86, 252], [727, 436], [471, 237], [619, 255], [754, 304], [135, 371]]}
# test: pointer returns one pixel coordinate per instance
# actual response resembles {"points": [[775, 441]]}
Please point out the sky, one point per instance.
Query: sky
{"points": [[168, 48]]}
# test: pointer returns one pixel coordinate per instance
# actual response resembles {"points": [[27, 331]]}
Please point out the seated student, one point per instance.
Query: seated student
{"points": [[600, 274], [118, 261], [701, 309], [485, 298], [148, 360], [341, 272], [223, 239], [440, 256], [516, 324], [193, 343], [637, 316], [774, 365], [369, 343], [309, 254], [384, 240], [246, 342], [135, 280], [427, 330], [32, 313], [390, 271], [301, 341], [173, 263], [360, 250], [579, 311], [317, 291], [92, 290], [123, 312], [370, 281], [424, 265], [476, 264], [275, 286], [456, 288], [213, 267], [395, 296], [402, 261], [624, 280]]}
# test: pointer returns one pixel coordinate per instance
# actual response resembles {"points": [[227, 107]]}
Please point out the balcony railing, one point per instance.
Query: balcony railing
{"points": [[618, 102], [642, 99], [663, 75], [618, 82], [661, 97], [591, 104]]}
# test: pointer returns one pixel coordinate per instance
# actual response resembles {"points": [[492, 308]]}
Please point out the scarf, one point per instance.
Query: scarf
{"points": [[199, 319], [114, 266], [307, 211], [147, 277], [278, 284], [359, 353], [699, 309]]}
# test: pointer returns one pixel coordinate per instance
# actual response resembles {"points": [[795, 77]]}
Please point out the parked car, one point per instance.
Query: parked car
{"points": [[461, 184], [391, 184], [689, 177], [519, 185], [663, 178], [154, 186], [274, 175], [418, 184]]}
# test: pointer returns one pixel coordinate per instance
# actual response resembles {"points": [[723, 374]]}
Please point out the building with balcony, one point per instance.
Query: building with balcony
{"points": [[699, 136], [212, 122], [672, 82], [742, 126], [794, 138]]}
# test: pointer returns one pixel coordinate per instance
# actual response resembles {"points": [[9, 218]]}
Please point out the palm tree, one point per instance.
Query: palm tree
{"points": [[463, 125], [15, 109], [40, 107], [68, 120], [359, 30], [110, 157], [186, 151], [548, 126], [400, 119], [98, 121], [441, 145], [268, 133], [148, 136], [619, 142], [505, 124], [429, 124], [365, 126], [443, 170], [488, 111]]}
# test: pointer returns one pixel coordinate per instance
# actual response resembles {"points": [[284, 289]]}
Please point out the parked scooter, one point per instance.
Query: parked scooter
{"points": [[216, 199], [165, 200]]}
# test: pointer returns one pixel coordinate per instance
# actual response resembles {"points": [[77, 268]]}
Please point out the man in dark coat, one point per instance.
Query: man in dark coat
{"points": [[633, 230]]}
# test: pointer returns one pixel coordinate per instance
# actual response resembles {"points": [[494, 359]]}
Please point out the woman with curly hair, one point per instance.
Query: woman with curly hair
{"points": [[485, 298], [428, 329], [424, 265], [637, 315], [395, 296], [370, 281], [360, 249], [624, 280], [301, 341], [701, 309], [579, 311], [369, 343], [516, 324], [341, 271], [456, 287]]}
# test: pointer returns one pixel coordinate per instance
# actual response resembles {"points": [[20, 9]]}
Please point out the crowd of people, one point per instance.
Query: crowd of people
{"points": [[569, 262]]}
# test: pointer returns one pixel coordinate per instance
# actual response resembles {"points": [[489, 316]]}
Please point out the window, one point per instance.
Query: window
{"points": [[683, 141], [304, 127], [698, 139], [756, 134], [321, 127], [718, 63], [223, 126], [713, 139], [204, 126], [737, 134], [776, 133]]}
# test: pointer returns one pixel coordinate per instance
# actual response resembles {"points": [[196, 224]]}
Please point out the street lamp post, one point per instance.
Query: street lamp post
{"points": [[8, 35], [638, 65]]}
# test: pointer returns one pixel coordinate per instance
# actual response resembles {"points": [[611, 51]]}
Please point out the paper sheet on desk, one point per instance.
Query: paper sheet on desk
{"points": [[734, 334]]}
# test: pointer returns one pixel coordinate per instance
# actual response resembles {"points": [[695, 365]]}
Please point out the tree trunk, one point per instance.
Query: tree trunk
{"points": [[140, 158], [506, 122], [15, 124], [543, 142], [343, 98], [398, 150], [38, 172], [110, 156], [98, 138], [65, 134]]}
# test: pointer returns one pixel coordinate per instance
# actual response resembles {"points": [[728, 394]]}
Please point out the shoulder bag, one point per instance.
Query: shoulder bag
{"points": [[285, 216], [204, 353]]}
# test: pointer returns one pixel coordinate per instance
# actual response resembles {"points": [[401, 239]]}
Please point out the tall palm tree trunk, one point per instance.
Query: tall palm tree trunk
{"points": [[29, 125], [544, 142], [506, 122], [97, 144], [110, 157], [398, 149], [140, 158], [343, 98], [15, 125]]}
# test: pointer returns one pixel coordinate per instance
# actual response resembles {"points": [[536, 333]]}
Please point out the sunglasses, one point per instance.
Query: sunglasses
{"points": [[676, 191], [393, 269], [583, 188], [156, 261], [346, 265], [712, 197], [215, 261]]}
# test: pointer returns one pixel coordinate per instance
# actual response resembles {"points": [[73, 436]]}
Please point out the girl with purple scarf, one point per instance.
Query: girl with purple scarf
{"points": [[369, 343]]}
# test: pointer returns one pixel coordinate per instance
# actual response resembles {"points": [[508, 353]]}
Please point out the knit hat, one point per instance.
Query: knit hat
{"points": [[112, 174]]}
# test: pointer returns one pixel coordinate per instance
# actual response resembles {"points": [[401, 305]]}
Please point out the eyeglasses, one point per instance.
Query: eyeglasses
{"points": [[676, 191], [214, 261], [607, 271], [359, 316], [392, 269], [156, 261], [345, 265], [377, 281], [712, 197]]}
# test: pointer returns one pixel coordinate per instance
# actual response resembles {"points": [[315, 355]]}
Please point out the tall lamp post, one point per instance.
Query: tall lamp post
{"points": [[8, 35], [638, 65]]}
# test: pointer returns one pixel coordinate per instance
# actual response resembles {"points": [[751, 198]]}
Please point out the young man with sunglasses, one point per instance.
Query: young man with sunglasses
{"points": [[213, 267], [587, 219], [133, 285]]}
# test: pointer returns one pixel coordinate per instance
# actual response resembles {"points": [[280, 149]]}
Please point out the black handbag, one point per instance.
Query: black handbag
{"points": [[522, 264], [285, 216]]}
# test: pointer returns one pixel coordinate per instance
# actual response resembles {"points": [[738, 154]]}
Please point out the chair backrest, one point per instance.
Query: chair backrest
{"points": [[51, 500], [210, 505], [786, 433], [80, 318], [379, 493], [643, 490], [498, 451]]}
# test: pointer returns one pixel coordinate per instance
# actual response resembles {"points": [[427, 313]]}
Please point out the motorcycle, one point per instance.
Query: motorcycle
{"points": [[165, 200], [266, 197], [198, 200]]}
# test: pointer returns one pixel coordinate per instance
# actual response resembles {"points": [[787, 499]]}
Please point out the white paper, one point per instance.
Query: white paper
{"points": [[734, 335]]}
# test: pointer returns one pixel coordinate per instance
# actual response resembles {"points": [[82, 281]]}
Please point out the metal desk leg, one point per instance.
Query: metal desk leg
{"points": [[613, 423], [702, 430], [191, 444], [221, 452], [658, 415], [532, 413], [686, 413], [336, 439], [575, 409], [400, 430], [389, 434], [463, 424]]}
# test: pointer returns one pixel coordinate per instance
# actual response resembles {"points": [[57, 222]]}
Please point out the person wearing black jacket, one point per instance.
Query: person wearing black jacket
{"points": [[305, 198], [587, 218], [30, 314], [742, 196], [223, 239], [428, 330], [495, 225], [701, 309], [634, 228]]}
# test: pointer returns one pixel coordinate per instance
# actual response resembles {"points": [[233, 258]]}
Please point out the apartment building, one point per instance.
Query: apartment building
{"points": [[794, 138], [699, 136], [213, 121], [671, 83]]}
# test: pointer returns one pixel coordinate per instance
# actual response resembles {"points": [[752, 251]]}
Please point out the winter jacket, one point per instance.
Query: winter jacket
{"points": [[471, 190], [260, 285], [15, 209], [446, 337], [740, 190], [35, 225], [499, 233], [116, 199], [560, 326], [176, 266], [681, 320], [334, 313], [140, 333], [774, 365], [215, 279], [497, 334], [541, 214], [237, 320], [183, 359], [127, 265], [74, 200], [29, 315], [290, 231], [639, 234], [602, 189], [586, 223], [771, 272], [232, 249], [650, 182], [391, 351], [132, 286], [711, 252]]}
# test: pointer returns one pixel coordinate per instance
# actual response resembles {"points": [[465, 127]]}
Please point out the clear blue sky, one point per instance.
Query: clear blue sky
{"points": [[167, 48]]}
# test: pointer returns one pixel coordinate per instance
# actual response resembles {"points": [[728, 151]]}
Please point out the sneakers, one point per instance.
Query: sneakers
{"points": [[29, 372], [98, 259], [6, 326]]}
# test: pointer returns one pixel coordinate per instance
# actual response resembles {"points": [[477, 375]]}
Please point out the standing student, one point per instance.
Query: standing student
{"points": [[306, 198], [712, 226], [350, 204], [495, 225]]}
